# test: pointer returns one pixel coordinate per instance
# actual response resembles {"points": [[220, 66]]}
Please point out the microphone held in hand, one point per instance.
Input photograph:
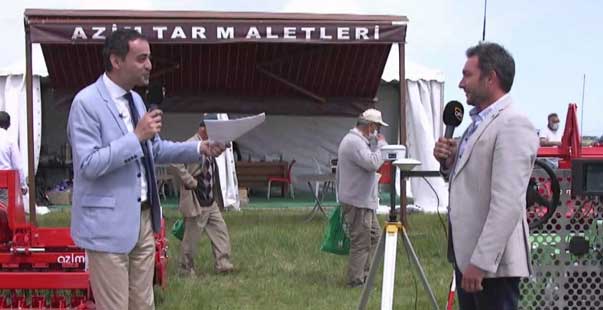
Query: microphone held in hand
{"points": [[155, 95], [453, 117]]}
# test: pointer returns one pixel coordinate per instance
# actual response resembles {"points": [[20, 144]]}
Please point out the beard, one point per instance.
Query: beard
{"points": [[478, 95]]}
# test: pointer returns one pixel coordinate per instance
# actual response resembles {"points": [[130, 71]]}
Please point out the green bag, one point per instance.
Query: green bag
{"points": [[178, 229], [336, 240]]}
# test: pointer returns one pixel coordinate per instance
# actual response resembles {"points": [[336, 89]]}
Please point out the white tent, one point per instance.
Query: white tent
{"points": [[13, 101], [424, 105]]}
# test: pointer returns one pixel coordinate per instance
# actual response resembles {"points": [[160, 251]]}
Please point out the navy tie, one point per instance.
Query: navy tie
{"points": [[146, 160]]}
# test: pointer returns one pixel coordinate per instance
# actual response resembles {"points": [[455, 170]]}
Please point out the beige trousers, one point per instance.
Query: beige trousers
{"points": [[125, 281], [363, 228], [211, 221]]}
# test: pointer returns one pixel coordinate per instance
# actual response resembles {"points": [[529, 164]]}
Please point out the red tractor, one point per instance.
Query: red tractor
{"points": [[544, 191], [41, 267]]}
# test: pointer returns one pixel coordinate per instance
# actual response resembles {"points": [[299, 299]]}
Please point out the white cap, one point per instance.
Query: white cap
{"points": [[373, 116]]}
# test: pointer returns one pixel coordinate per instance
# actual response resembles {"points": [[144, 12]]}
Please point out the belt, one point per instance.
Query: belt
{"points": [[145, 205]]}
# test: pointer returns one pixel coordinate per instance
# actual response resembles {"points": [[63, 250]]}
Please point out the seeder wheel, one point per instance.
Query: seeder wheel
{"points": [[542, 197]]}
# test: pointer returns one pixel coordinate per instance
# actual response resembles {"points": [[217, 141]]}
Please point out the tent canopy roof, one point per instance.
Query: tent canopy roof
{"points": [[279, 63], [40, 15]]}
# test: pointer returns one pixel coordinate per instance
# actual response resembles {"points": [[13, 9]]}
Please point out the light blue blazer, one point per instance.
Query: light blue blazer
{"points": [[105, 215]]}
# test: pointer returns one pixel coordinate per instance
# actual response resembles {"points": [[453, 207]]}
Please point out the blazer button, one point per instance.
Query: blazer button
{"points": [[138, 199], [138, 175]]}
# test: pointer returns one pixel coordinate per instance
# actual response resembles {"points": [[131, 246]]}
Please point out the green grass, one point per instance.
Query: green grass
{"points": [[280, 266]]}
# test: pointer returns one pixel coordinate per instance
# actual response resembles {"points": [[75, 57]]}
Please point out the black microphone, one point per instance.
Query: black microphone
{"points": [[453, 116], [155, 96]]}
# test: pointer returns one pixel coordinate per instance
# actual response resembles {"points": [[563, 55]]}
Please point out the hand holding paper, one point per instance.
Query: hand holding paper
{"points": [[212, 148]]}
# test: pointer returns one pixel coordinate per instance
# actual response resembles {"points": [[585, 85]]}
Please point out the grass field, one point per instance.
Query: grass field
{"points": [[279, 265]]}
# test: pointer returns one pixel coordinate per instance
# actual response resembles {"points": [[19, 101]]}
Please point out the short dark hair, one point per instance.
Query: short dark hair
{"points": [[118, 44], [551, 116], [494, 57], [4, 120]]}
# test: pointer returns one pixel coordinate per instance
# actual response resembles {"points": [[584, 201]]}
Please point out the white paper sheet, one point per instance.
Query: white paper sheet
{"points": [[229, 130]]}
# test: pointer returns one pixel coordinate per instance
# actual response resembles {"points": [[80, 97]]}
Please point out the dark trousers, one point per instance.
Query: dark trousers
{"points": [[498, 294]]}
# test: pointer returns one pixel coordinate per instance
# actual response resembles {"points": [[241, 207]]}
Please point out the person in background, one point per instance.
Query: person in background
{"points": [[551, 135], [200, 204], [358, 159], [10, 158]]}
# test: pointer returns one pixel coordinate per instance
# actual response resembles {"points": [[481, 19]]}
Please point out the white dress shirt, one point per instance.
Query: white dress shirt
{"points": [[117, 94], [10, 157]]}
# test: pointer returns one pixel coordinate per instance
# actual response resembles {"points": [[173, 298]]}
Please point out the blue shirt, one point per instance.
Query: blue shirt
{"points": [[478, 117]]}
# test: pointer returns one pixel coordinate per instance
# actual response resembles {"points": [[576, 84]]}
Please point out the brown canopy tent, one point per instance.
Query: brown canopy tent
{"points": [[278, 63]]}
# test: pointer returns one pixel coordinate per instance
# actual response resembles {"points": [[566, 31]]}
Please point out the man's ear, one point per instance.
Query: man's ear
{"points": [[492, 77], [116, 61]]}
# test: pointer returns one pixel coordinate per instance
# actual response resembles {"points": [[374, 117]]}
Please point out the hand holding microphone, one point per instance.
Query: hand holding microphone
{"points": [[445, 147], [149, 125], [444, 151]]}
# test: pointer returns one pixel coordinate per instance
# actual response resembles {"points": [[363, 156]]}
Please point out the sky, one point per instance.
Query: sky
{"points": [[555, 43]]}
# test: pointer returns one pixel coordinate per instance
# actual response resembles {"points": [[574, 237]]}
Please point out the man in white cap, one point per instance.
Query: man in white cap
{"points": [[359, 158]]}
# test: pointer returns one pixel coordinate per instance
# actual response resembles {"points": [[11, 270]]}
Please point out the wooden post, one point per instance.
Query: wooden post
{"points": [[31, 180], [402, 91]]}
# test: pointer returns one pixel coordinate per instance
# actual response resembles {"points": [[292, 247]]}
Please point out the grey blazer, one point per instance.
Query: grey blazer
{"points": [[105, 215], [488, 195]]}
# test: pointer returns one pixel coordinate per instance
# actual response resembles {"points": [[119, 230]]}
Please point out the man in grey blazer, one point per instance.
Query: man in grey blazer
{"points": [[489, 170], [115, 144]]}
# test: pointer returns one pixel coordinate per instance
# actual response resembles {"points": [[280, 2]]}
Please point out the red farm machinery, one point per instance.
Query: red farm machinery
{"points": [[41, 267]]}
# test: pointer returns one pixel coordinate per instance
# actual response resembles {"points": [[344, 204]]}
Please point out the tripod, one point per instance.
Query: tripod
{"points": [[386, 251]]}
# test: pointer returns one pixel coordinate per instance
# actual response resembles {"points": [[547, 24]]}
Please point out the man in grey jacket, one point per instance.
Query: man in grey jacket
{"points": [[359, 158]]}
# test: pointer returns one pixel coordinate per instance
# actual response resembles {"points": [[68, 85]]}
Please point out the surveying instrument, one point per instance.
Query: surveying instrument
{"points": [[386, 248]]}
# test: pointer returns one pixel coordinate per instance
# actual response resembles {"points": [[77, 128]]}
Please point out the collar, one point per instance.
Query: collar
{"points": [[115, 91], [477, 117], [359, 133]]}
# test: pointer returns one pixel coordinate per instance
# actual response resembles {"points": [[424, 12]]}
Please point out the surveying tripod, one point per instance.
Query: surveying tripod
{"points": [[386, 250]]}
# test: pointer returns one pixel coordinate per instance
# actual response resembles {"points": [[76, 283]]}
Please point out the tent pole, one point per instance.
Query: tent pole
{"points": [[31, 180], [402, 125]]}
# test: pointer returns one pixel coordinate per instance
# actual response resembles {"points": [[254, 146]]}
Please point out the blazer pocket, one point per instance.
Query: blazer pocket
{"points": [[96, 201]]}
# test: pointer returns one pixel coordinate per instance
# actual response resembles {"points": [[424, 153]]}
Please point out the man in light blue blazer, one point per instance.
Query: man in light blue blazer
{"points": [[115, 144]]}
